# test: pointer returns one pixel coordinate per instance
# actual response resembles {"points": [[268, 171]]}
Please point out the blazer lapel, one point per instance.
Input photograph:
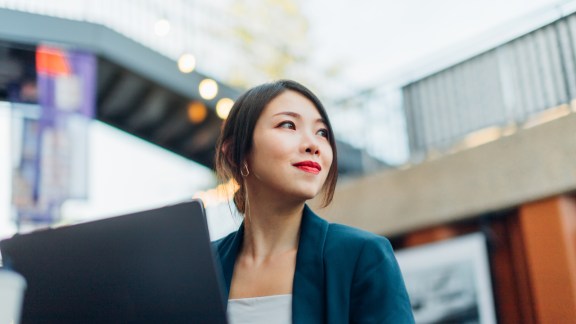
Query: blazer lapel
{"points": [[308, 300], [228, 258], [308, 289]]}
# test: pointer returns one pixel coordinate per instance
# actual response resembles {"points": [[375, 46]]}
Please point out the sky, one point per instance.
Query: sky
{"points": [[373, 39]]}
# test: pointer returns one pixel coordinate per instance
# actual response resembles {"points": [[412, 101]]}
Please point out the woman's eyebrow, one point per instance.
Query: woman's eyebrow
{"points": [[297, 115], [288, 113]]}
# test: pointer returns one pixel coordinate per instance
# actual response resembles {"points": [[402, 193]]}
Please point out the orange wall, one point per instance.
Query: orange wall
{"points": [[549, 231], [532, 253]]}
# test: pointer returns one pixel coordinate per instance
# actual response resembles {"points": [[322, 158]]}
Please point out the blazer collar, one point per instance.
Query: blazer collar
{"points": [[228, 257], [308, 300]]}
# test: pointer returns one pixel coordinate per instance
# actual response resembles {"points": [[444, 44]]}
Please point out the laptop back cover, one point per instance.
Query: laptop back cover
{"points": [[150, 266]]}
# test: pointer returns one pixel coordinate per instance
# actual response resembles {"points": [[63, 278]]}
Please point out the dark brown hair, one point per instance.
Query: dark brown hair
{"points": [[235, 140]]}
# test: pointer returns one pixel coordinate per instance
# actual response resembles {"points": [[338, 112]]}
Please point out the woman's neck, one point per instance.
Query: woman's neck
{"points": [[270, 229]]}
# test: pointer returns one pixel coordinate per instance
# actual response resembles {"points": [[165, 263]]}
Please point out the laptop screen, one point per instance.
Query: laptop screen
{"points": [[150, 266]]}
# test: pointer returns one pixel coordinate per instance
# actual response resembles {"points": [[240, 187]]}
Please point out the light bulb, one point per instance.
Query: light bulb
{"points": [[223, 107], [162, 27], [208, 89], [186, 63]]}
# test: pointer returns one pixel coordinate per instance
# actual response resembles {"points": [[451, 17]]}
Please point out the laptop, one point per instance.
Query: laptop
{"points": [[154, 266]]}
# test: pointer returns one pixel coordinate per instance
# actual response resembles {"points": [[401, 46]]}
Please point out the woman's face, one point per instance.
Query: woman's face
{"points": [[291, 153]]}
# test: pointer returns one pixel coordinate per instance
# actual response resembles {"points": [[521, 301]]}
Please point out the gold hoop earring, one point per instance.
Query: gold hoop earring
{"points": [[244, 170]]}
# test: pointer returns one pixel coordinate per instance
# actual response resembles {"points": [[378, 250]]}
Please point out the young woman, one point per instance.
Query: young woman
{"points": [[285, 264]]}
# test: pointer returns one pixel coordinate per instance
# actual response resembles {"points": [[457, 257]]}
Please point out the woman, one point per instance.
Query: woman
{"points": [[285, 264]]}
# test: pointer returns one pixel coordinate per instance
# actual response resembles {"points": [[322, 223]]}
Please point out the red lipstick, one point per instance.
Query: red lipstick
{"points": [[308, 166]]}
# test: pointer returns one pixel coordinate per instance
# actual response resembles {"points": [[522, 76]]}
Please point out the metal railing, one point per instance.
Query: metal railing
{"points": [[502, 87]]}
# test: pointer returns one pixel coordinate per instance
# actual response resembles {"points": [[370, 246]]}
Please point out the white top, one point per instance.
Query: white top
{"points": [[275, 309]]}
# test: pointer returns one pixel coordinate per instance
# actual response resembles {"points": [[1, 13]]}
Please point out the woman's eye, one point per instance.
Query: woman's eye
{"points": [[323, 133], [287, 124]]}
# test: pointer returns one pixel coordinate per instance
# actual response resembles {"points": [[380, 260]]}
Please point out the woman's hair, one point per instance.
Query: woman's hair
{"points": [[235, 140]]}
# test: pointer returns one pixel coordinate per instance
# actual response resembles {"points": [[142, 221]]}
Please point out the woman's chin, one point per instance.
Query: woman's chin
{"points": [[307, 195]]}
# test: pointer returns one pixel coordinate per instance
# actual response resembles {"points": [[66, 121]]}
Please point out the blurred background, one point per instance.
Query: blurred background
{"points": [[454, 122]]}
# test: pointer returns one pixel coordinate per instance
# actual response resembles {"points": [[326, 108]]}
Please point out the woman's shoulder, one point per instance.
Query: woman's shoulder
{"points": [[350, 239], [349, 234]]}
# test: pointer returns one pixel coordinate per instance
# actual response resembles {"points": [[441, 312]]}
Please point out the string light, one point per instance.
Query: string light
{"points": [[223, 107], [186, 63], [197, 112], [208, 89], [162, 27]]}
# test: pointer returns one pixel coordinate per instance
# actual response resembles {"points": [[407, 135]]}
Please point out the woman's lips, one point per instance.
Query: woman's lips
{"points": [[308, 166]]}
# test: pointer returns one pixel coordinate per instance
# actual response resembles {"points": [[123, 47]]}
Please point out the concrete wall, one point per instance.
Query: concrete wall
{"points": [[529, 165]]}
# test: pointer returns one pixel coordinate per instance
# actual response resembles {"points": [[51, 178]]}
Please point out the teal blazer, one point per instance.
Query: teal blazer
{"points": [[343, 275]]}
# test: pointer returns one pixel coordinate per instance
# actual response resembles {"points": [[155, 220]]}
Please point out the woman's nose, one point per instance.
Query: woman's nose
{"points": [[311, 145], [313, 150]]}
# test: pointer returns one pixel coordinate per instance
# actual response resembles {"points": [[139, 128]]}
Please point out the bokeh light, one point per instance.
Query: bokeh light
{"points": [[186, 63], [197, 112], [223, 107], [162, 27], [208, 89]]}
